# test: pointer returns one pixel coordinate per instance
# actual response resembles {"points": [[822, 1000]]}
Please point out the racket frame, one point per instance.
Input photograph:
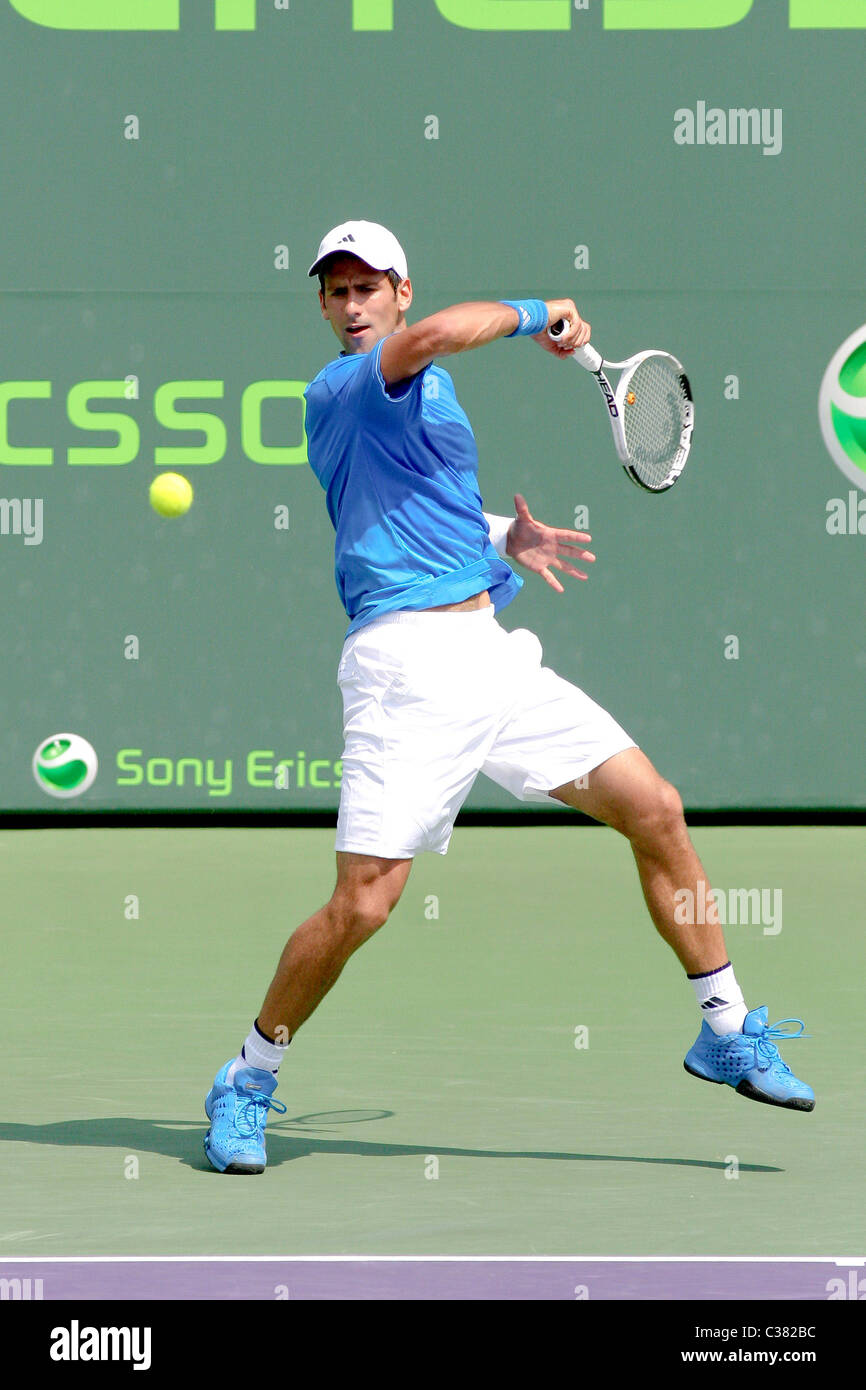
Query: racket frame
{"points": [[615, 400]]}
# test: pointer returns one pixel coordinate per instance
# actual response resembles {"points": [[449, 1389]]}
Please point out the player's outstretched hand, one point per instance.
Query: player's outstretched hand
{"points": [[576, 335], [542, 548]]}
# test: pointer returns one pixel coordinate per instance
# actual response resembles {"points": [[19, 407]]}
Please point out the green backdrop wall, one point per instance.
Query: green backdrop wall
{"points": [[166, 183]]}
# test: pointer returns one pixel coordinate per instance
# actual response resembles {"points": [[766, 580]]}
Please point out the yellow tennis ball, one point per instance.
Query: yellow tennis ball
{"points": [[170, 494]]}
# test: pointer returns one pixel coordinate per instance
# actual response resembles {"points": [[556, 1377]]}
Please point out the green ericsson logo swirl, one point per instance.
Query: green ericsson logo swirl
{"points": [[842, 408], [65, 765]]}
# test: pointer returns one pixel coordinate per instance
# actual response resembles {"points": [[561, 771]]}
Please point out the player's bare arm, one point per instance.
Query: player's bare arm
{"points": [[471, 325]]}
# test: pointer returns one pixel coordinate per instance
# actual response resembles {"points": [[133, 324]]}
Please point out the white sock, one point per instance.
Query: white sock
{"points": [[258, 1051], [720, 1000]]}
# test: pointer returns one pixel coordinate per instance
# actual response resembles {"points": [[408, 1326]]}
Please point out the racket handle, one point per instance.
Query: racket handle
{"points": [[586, 355]]}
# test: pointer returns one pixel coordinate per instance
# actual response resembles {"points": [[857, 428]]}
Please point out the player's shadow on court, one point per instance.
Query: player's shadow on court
{"points": [[300, 1137]]}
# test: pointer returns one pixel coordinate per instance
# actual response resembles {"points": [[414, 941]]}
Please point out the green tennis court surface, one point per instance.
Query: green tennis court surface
{"points": [[448, 1046]]}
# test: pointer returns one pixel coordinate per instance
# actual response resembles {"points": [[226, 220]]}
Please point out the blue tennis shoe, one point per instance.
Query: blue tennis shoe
{"points": [[750, 1062], [235, 1142]]}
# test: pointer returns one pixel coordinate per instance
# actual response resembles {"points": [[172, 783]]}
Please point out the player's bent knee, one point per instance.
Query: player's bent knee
{"points": [[358, 915], [671, 805], [669, 817], [660, 818], [370, 916]]}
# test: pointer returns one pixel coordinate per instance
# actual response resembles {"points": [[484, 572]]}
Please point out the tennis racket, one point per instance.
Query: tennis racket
{"points": [[651, 412]]}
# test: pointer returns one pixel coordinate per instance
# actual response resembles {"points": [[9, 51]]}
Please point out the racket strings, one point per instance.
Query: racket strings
{"points": [[655, 412]]}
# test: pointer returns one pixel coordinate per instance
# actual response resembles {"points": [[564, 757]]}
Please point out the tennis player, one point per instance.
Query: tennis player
{"points": [[435, 690]]}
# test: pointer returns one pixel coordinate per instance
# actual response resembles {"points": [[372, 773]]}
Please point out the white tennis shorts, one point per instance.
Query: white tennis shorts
{"points": [[430, 699]]}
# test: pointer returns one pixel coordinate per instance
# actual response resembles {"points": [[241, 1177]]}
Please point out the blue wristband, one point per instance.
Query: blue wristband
{"points": [[532, 314]]}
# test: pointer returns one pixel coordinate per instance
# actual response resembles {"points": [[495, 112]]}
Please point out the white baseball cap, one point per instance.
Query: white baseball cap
{"points": [[369, 242]]}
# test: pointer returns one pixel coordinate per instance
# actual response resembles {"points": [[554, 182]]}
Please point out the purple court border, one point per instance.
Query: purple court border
{"points": [[393, 1278]]}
